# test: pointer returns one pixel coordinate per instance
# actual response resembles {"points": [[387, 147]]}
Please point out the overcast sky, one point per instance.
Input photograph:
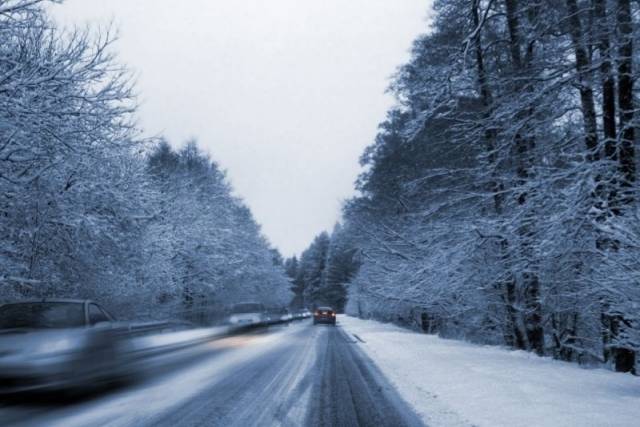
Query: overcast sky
{"points": [[283, 94]]}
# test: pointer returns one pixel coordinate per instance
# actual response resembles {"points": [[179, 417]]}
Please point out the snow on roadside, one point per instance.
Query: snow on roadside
{"points": [[453, 383]]}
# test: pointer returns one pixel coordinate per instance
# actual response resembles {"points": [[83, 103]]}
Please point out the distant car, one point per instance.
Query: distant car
{"points": [[247, 314], [54, 344], [298, 315], [286, 315], [277, 316], [305, 313], [324, 315], [302, 314]]}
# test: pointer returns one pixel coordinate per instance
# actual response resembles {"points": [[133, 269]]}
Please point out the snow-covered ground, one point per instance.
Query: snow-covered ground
{"points": [[452, 383]]}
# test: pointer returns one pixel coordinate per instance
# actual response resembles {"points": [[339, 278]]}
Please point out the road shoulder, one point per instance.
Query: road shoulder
{"points": [[454, 383]]}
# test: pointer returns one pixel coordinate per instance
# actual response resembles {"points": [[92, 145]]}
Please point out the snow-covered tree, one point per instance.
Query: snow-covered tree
{"points": [[88, 209], [498, 202]]}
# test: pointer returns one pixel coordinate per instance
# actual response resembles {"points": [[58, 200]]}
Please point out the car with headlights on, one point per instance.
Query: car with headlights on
{"points": [[324, 315], [57, 344]]}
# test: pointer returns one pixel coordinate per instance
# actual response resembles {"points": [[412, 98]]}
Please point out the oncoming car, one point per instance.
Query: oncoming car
{"points": [[55, 344], [324, 315]]}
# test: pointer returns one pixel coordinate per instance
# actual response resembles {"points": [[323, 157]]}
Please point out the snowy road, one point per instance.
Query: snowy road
{"points": [[289, 376]]}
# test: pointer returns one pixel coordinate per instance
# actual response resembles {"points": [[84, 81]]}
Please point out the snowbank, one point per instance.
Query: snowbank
{"points": [[452, 383]]}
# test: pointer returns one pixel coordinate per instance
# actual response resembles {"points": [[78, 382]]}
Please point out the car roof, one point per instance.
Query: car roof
{"points": [[325, 308]]}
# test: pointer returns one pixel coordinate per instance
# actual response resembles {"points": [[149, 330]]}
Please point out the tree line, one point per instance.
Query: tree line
{"points": [[320, 276], [90, 209], [499, 202]]}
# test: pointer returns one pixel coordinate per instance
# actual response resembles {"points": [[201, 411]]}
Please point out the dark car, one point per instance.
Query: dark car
{"points": [[54, 344], [324, 315]]}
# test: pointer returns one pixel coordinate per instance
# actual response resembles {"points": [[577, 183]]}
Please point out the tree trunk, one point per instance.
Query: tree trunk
{"points": [[525, 145], [487, 101], [625, 101], [607, 185], [513, 323], [583, 67], [608, 82], [606, 191], [623, 357], [513, 335]]}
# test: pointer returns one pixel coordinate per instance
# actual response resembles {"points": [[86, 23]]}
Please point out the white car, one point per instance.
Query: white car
{"points": [[286, 316], [247, 314]]}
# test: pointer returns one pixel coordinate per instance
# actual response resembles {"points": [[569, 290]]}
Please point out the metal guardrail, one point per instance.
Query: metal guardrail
{"points": [[108, 352], [150, 338]]}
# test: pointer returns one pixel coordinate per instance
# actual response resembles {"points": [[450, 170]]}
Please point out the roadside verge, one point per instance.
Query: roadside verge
{"points": [[453, 383]]}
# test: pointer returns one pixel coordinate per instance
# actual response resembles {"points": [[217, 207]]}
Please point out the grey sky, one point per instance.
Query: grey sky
{"points": [[284, 94]]}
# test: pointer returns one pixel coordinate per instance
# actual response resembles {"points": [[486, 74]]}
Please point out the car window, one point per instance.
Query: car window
{"points": [[96, 315], [42, 315]]}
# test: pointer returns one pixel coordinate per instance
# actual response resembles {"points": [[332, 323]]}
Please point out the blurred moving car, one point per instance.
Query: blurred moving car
{"points": [[247, 314], [277, 316], [324, 315], [286, 315], [53, 344], [301, 314]]}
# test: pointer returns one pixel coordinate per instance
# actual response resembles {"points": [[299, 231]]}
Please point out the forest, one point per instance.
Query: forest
{"points": [[91, 209], [498, 203]]}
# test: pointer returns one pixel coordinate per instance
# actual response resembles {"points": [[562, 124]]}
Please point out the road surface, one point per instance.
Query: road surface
{"points": [[286, 376]]}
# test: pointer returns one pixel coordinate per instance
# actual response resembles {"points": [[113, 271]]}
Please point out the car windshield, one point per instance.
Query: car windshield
{"points": [[247, 308], [42, 315], [325, 309]]}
